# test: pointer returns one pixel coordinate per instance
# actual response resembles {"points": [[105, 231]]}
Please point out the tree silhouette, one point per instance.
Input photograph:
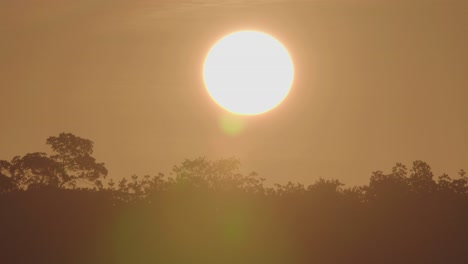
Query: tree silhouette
{"points": [[35, 170], [6, 183], [223, 175], [70, 164], [74, 155]]}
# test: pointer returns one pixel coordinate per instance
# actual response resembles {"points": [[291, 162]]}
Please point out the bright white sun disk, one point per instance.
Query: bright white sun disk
{"points": [[248, 72]]}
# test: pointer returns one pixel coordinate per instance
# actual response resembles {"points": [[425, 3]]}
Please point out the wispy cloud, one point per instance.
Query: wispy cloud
{"points": [[148, 12]]}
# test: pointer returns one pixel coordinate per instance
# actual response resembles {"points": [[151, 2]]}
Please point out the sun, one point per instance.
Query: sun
{"points": [[248, 72]]}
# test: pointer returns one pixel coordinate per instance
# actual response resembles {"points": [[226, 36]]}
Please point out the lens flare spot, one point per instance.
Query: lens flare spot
{"points": [[231, 125]]}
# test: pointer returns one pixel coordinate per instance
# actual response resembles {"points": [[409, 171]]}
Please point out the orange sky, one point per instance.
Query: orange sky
{"points": [[377, 82]]}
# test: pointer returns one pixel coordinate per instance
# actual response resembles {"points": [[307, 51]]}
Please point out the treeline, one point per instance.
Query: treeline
{"points": [[61, 208]]}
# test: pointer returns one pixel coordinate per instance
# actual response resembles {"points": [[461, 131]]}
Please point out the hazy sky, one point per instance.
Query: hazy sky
{"points": [[377, 82]]}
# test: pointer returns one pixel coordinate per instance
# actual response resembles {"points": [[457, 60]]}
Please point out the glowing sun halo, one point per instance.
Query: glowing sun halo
{"points": [[248, 72]]}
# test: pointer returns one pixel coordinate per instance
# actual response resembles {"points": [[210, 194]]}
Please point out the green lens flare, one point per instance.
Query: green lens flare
{"points": [[232, 125]]}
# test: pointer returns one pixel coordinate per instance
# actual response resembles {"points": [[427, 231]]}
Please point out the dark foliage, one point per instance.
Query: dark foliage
{"points": [[71, 164], [209, 212]]}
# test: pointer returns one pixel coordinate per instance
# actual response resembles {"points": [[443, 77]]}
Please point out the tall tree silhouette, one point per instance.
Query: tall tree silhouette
{"points": [[74, 156]]}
